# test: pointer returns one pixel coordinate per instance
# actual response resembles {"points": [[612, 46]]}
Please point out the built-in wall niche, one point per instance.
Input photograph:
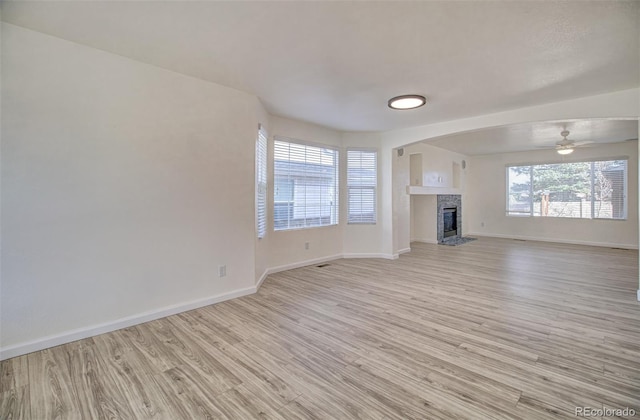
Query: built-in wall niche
{"points": [[437, 172], [457, 174], [415, 169]]}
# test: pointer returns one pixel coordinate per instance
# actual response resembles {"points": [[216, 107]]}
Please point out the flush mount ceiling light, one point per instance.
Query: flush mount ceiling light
{"points": [[407, 102]]}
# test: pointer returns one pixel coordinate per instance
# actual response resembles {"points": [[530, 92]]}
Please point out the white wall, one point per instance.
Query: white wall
{"points": [[437, 165], [124, 187], [622, 104], [287, 247], [486, 195], [416, 217], [424, 226], [401, 201], [365, 239]]}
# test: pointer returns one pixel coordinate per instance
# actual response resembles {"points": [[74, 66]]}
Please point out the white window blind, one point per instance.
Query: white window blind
{"points": [[362, 181], [261, 182], [305, 185], [588, 190]]}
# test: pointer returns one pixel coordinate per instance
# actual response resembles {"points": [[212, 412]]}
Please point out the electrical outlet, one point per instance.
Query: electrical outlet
{"points": [[222, 271], [306, 245]]}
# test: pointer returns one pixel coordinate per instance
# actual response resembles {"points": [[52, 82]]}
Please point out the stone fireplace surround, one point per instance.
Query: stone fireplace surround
{"points": [[449, 201]]}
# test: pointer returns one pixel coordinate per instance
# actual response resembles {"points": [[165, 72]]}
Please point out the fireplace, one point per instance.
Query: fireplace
{"points": [[449, 218], [450, 223]]}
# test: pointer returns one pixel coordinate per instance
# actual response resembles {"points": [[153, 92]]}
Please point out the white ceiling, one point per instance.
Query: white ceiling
{"points": [[337, 63], [534, 136]]}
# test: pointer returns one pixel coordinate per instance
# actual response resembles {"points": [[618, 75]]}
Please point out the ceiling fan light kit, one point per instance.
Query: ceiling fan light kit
{"points": [[566, 146]]}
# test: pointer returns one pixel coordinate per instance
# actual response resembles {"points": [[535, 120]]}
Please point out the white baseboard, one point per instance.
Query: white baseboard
{"points": [[426, 241], [86, 332], [262, 279], [373, 255], [321, 260], [638, 295], [397, 254], [291, 266], [302, 264], [557, 241], [93, 330]]}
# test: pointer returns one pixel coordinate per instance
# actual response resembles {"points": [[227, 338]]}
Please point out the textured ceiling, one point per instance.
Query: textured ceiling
{"points": [[536, 136], [337, 63]]}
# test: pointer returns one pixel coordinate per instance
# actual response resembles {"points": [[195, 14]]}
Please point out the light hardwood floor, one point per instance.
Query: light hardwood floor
{"points": [[491, 329]]}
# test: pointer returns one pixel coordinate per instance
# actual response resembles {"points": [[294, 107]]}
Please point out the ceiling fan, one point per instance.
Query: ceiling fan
{"points": [[566, 146]]}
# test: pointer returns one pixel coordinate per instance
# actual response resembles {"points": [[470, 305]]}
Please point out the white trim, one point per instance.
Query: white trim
{"points": [[574, 159], [86, 332], [262, 279], [426, 241], [365, 255], [302, 264], [91, 331], [362, 149], [638, 295], [557, 241], [320, 260], [404, 251], [420, 190], [285, 139]]}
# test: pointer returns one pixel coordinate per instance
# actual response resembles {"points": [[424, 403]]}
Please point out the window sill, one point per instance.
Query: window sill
{"points": [[304, 228], [566, 218]]}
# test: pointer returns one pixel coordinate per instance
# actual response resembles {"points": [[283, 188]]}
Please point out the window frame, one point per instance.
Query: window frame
{"points": [[362, 187], [262, 181], [592, 201], [335, 207]]}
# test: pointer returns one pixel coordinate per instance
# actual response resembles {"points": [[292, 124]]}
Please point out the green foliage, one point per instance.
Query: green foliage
{"points": [[562, 178], [569, 180]]}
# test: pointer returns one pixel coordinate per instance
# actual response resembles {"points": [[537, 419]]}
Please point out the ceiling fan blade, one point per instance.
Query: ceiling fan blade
{"points": [[582, 143]]}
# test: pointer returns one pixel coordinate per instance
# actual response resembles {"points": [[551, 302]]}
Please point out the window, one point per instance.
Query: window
{"points": [[261, 182], [305, 185], [588, 190], [362, 180]]}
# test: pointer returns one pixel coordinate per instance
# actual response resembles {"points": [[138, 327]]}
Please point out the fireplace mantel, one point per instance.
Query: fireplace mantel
{"points": [[418, 190]]}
